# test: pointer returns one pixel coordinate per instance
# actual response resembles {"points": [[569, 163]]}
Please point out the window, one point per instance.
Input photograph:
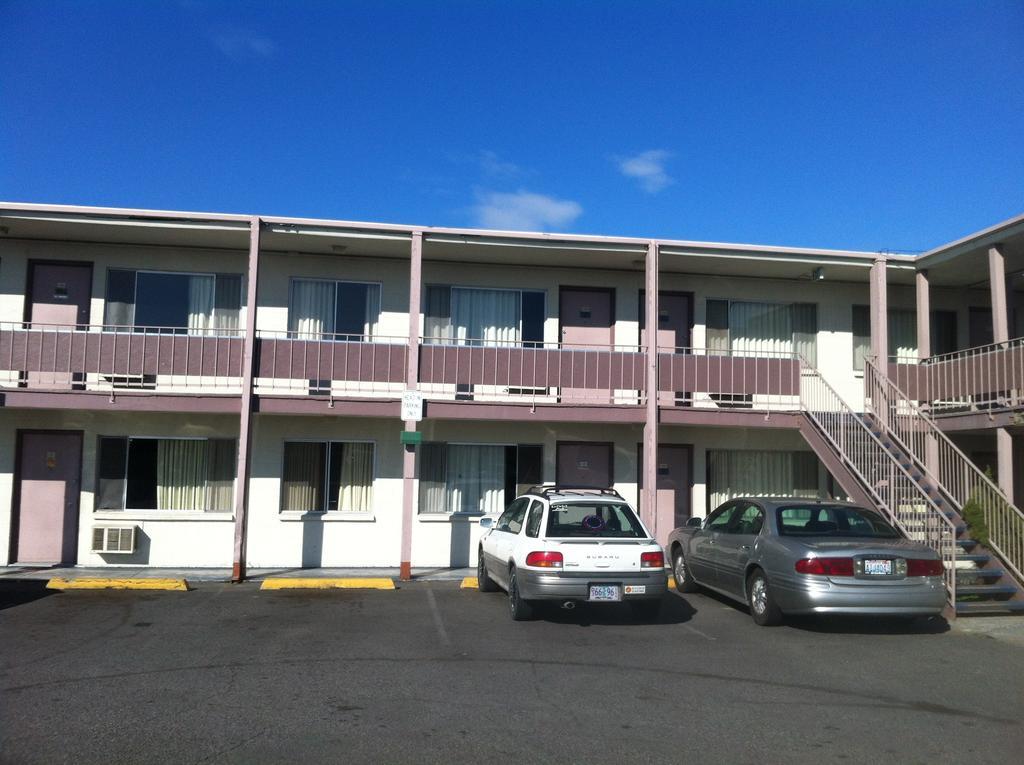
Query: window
{"points": [[474, 478], [818, 521], [751, 473], [166, 474], [902, 334], [757, 329], [327, 476], [511, 520], [749, 520], [593, 519], [720, 519], [182, 302], [341, 310], [533, 524], [490, 317]]}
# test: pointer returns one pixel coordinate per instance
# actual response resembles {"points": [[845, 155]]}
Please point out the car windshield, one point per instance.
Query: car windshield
{"points": [[594, 519], [826, 521]]}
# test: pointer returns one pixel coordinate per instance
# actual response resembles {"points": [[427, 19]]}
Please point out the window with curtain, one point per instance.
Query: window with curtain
{"points": [[747, 328], [475, 478], [902, 335], [339, 310], [752, 473], [327, 476], [166, 474], [202, 304], [488, 317]]}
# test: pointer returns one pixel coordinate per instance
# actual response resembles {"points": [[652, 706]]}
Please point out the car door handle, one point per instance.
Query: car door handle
{"points": [[745, 548]]}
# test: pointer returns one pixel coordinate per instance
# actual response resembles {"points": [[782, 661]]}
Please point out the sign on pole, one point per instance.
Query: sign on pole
{"points": [[412, 406]]}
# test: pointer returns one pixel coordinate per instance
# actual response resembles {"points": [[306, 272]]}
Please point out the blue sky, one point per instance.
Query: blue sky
{"points": [[866, 125]]}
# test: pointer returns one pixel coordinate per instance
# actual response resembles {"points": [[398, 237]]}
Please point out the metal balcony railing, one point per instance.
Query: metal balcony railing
{"points": [[55, 357], [988, 378], [729, 379]]}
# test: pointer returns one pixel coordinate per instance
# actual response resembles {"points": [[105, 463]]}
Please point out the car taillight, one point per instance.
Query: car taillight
{"points": [[825, 566], [652, 560], [922, 567], [544, 559]]}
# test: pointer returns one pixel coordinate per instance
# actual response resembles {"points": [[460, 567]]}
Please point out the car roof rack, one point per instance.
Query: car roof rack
{"points": [[545, 489]]}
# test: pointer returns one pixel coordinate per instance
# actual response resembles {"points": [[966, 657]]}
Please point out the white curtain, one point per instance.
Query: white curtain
{"points": [[227, 305], [903, 336], [371, 325], [181, 470], [490, 316], [303, 479], [356, 490], [311, 309], [757, 328], [220, 478], [476, 478], [200, 303], [748, 473]]}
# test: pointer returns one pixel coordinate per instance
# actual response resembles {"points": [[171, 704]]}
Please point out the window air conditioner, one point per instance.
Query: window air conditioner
{"points": [[113, 539]]}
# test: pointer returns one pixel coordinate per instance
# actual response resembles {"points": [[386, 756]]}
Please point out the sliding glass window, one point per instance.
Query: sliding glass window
{"points": [[756, 473], [176, 302], [333, 310], [745, 328], [330, 476], [485, 317], [475, 478]]}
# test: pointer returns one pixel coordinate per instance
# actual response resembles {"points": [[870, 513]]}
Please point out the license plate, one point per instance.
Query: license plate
{"points": [[635, 589], [605, 592], [878, 567]]}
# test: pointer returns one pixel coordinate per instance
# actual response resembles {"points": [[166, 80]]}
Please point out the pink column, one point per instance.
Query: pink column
{"points": [[924, 316], [997, 283], [879, 315], [245, 419], [412, 374], [1004, 461], [650, 498]]}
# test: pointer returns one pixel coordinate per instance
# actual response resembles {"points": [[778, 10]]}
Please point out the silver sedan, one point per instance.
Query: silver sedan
{"points": [[793, 556]]}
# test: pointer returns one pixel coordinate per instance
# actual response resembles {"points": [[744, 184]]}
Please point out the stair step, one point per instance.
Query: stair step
{"points": [[974, 557], [966, 543], [987, 590], [998, 607], [981, 573]]}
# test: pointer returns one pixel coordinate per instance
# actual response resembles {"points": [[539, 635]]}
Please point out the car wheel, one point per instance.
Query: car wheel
{"points": [[520, 609], [681, 573], [762, 604], [484, 583], [646, 610]]}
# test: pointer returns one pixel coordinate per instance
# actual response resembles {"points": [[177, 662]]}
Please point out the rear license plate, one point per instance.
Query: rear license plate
{"points": [[605, 592], [878, 567], [635, 589]]}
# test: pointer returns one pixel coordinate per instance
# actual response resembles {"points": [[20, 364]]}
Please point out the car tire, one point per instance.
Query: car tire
{"points": [[646, 610], [484, 583], [682, 574], [763, 608], [521, 610]]}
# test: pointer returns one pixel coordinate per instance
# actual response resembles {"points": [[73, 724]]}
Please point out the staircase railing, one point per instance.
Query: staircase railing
{"points": [[887, 481], [948, 467]]}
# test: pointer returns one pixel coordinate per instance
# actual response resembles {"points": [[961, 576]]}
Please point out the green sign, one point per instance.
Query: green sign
{"points": [[412, 437]]}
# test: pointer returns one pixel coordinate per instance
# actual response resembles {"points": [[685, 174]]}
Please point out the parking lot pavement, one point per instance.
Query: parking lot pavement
{"points": [[433, 673]]}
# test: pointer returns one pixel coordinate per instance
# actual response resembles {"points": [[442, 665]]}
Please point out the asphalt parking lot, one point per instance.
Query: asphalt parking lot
{"points": [[432, 673]]}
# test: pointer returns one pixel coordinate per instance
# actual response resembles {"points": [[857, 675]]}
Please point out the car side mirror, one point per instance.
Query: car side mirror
{"points": [[486, 523], [694, 523]]}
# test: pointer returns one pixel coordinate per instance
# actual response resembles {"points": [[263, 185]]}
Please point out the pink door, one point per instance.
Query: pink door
{"points": [[583, 463], [585, 316], [675, 483], [675, 320], [48, 486], [59, 294]]}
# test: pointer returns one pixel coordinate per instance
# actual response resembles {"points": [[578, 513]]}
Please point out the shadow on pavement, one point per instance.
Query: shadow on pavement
{"points": [[18, 592], [675, 609]]}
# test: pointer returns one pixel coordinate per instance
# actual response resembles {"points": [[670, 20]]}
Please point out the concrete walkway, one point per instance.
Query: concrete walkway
{"points": [[223, 574]]}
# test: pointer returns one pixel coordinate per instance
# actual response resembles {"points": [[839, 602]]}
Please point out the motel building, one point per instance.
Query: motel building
{"points": [[206, 390]]}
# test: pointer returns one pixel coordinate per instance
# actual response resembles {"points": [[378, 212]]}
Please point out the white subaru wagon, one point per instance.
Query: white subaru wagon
{"points": [[571, 544]]}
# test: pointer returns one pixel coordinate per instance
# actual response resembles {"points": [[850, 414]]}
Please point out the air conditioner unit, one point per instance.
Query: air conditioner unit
{"points": [[113, 539]]}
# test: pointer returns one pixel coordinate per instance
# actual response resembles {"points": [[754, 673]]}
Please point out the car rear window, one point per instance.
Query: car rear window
{"points": [[819, 521], [593, 519]]}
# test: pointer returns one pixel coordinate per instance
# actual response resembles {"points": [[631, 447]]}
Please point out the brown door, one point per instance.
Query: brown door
{"points": [[675, 485], [59, 293], [583, 463], [48, 485], [585, 316], [675, 321]]}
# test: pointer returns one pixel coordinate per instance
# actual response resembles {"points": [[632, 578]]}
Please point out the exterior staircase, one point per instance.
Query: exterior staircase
{"points": [[988, 573]]}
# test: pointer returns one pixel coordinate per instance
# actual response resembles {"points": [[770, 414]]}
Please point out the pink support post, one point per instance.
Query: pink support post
{"points": [[411, 383], [650, 498], [997, 283], [879, 315], [245, 418], [924, 316]]}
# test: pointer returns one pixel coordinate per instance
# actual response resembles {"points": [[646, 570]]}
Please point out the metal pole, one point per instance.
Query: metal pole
{"points": [[650, 499], [412, 373], [245, 415]]}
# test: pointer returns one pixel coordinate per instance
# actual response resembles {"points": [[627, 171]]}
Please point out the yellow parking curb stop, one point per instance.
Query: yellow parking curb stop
{"points": [[469, 583], [86, 583], [308, 583]]}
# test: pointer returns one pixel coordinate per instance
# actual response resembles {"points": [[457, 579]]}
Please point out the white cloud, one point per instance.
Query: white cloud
{"points": [[494, 166], [648, 169], [524, 211], [244, 43]]}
